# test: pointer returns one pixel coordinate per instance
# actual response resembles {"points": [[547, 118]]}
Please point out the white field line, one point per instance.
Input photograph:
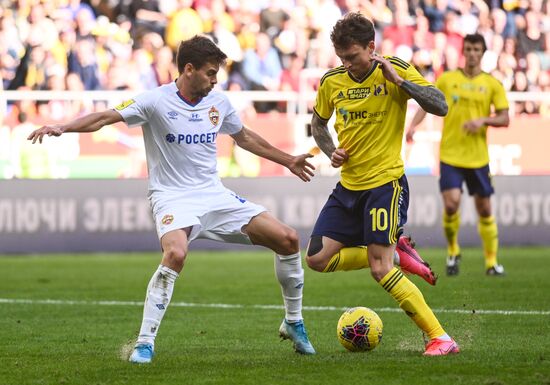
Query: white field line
{"points": [[61, 302]]}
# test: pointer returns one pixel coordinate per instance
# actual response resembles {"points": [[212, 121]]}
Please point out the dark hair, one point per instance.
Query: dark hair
{"points": [[353, 28], [198, 51], [475, 38]]}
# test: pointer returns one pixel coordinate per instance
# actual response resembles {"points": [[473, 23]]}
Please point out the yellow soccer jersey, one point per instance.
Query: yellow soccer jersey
{"points": [[370, 119], [468, 99]]}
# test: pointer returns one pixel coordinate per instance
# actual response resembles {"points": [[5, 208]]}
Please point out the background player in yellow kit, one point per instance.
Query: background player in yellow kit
{"points": [[464, 157], [368, 207]]}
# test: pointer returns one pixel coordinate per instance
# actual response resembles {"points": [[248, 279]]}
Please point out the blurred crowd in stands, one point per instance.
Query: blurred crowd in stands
{"points": [[130, 44]]}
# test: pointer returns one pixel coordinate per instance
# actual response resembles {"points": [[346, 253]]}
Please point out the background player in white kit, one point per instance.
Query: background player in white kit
{"points": [[180, 123]]}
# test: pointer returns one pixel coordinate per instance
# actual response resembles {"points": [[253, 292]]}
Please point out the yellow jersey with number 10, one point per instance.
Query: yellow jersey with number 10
{"points": [[468, 99], [370, 119]]}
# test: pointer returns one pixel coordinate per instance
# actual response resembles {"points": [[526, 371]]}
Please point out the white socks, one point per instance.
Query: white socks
{"points": [[290, 274], [159, 293], [288, 269]]}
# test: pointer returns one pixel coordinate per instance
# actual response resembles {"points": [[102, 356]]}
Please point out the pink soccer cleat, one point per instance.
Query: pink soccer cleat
{"points": [[439, 347], [411, 263]]}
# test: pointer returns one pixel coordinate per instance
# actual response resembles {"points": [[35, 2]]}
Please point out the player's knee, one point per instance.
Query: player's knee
{"points": [[174, 257], [451, 207], [316, 263], [314, 258], [290, 242]]}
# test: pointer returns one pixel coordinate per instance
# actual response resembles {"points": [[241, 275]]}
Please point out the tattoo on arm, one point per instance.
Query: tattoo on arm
{"points": [[322, 136], [429, 98]]}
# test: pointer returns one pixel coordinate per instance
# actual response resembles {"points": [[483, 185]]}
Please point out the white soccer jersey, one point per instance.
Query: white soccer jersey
{"points": [[180, 138]]}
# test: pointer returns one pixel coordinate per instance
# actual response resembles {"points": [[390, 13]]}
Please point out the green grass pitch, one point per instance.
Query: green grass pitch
{"points": [[71, 319]]}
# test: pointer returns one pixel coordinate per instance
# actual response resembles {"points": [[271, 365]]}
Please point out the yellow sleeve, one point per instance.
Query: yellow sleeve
{"points": [[413, 76], [440, 83], [407, 72], [324, 106]]}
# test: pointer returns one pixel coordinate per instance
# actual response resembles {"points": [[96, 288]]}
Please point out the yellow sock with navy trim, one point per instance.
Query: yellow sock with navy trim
{"points": [[451, 224], [348, 258], [412, 301], [488, 232]]}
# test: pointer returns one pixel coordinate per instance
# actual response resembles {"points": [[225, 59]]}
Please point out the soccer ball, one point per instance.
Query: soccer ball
{"points": [[359, 329]]}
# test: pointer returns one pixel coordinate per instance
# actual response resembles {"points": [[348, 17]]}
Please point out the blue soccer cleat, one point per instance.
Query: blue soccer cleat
{"points": [[142, 354], [296, 332]]}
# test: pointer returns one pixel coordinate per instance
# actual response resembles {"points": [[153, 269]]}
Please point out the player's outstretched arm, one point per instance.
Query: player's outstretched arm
{"points": [[87, 123], [257, 145]]}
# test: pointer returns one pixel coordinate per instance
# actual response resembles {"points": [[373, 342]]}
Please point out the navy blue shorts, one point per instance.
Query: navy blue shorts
{"points": [[478, 180], [363, 217]]}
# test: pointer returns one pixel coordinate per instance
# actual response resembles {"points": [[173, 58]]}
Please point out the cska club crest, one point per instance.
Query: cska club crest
{"points": [[167, 219], [214, 116]]}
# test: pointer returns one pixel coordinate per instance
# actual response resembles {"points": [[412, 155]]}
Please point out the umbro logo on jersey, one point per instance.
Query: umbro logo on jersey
{"points": [[172, 115], [242, 200], [341, 95]]}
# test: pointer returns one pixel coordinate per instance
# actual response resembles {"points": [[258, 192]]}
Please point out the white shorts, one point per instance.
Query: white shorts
{"points": [[217, 213]]}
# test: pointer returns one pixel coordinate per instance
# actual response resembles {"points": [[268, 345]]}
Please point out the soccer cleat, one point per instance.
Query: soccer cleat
{"points": [[142, 354], [452, 264], [296, 332], [496, 270], [440, 347], [411, 263]]}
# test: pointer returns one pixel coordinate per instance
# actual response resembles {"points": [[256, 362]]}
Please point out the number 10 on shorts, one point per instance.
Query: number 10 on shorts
{"points": [[379, 219]]}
